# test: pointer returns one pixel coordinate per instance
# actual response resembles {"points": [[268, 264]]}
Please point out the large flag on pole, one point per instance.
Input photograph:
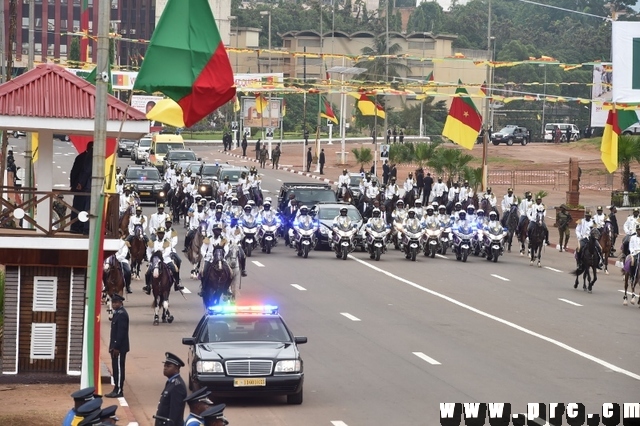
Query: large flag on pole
{"points": [[617, 121], [261, 103], [464, 121], [326, 111], [368, 106], [186, 60], [84, 29]]}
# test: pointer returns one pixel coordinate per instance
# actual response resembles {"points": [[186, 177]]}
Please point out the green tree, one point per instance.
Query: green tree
{"points": [[473, 175], [628, 152], [423, 152], [450, 162], [376, 68], [74, 50], [427, 17], [363, 156]]}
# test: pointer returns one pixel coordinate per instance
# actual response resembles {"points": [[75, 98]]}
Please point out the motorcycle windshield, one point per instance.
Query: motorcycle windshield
{"points": [[345, 226], [378, 227], [305, 226]]}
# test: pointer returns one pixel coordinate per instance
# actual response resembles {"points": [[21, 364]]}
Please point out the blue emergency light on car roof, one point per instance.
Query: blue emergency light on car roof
{"points": [[230, 309]]}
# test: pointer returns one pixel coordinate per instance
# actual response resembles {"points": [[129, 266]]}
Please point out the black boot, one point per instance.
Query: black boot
{"points": [[147, 287]]}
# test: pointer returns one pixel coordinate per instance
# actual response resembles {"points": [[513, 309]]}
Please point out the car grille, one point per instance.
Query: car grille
{"points": [[145, 187], [251, 367]]}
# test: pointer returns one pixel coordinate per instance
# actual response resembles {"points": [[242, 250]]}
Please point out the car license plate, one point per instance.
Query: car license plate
{"points": [[145, 193], [239, 383]]}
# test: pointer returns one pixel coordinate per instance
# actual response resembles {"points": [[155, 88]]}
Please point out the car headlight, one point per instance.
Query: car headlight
{"points": [[209, 367], [288, 366], [323, 230], [203, 188]]}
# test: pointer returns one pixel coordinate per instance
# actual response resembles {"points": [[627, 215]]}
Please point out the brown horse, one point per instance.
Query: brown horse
{"points": [[124, 222], [137, 251], [113, 280], [606, 238], [631, 271], [161, 288], [193, 251]]}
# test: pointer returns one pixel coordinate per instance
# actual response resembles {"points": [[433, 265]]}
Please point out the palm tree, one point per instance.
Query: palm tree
{"points": [[451, 162], [423, 152], [363, 156], [376, 68], [628, 152], [402, 153], [473, 176]]}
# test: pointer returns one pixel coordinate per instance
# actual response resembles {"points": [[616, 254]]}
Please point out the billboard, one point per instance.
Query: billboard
{"points": [[247, 80], [625, 55], [251, 117], [600, 93], [144, 103]]}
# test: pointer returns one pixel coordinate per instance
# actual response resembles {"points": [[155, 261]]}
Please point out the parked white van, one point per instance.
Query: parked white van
{"points": [[550, 127]]}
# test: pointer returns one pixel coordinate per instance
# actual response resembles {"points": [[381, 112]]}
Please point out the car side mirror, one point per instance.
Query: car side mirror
{"points": [[190, 341], [298, 339], [199, 159]]}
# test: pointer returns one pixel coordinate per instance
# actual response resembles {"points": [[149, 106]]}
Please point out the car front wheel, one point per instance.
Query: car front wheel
{"points": [[295, 398], [510, 142]]}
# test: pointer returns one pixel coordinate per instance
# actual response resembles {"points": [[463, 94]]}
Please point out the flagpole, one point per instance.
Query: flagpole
{"points": [[487, 100], [269, 103], [375, 132]]}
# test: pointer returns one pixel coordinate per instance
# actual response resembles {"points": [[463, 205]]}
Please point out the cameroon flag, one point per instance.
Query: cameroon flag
{"points": [[186, 60], [464, 121], [326, 111], [617, 121]]}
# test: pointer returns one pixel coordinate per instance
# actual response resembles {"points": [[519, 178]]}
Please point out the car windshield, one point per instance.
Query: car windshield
{"points": [[163, 148], [233, 175], [507, 130], [244, 329], [210, 170], [314, 196], [143, 174], [128, 141], [180, 156], [330, 213], [145, 143]]}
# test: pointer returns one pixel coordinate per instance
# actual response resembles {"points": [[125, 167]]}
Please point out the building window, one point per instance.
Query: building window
{"points": [[51, 24], [306, 42], [76, 26], [287, 43], [63, 25], [45, 288], [38, 24], [43, 341], [52, 2], [38, 48], [419, 64], [25, 48], [63, 49], [25, 22], [310, 61], [422, 45], [309, 76]]}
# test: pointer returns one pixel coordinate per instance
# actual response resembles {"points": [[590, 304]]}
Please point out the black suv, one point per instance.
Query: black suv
{"points": [[146, 181], [510, 135], [208, 179], [177, 155], [307, 194]]}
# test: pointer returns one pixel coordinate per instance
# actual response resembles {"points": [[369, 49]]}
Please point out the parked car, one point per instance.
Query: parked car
{"points": [[140, 152], [16, 133], [510, 135], [549, 129], [125, 146]]}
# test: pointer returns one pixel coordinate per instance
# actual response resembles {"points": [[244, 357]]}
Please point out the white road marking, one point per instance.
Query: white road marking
{"points": [[186, 291], [338, 423], [255, 262], [426, 358], [569, 302], [628, 293], [59, 167], [441, 256], [552, 269], [515, 326], [500, 278], [299, 287], [59, 185], [351, 317], [279, 180], [63, 172], [123, 402]]}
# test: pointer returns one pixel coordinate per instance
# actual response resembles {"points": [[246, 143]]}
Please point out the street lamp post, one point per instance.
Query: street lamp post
{"points": [[268, 13], [487, 101], [424, 42], [544, 100], [235, 18]]}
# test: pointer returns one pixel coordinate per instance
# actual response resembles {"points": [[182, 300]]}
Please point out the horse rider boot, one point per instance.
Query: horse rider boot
{"points": [[343, 183], [236, 235], [634, 248], [563, 219], [535, 211], [194, 222], [524, 207], [629, 229], [583, 230]]}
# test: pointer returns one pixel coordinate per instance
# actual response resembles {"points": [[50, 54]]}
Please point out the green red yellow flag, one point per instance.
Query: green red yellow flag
{"points": [[284, 107], [429, 78], [186, 61], [617, 121], [261, 103], [84, 29], [368, 106], [464, 121], [326, 111]]}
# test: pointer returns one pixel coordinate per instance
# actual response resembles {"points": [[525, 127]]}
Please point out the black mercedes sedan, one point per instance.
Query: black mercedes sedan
{"points": [[245, 351]]}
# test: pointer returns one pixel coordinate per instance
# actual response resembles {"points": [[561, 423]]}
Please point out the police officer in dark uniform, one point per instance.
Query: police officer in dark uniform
{"points": [[88, 412], [214, 416], [614, 227], [80, 398], [198, 403], [118, 345], [108, 415], [171, 405]]}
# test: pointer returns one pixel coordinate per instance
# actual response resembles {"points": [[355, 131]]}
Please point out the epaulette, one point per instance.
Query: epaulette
{"points": [[127, 243], [166, 244], [206, 240], [150, 244], [174, 234]]}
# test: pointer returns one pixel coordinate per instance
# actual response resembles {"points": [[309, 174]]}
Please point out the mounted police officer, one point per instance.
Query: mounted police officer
{"points": [[343, 183], [162, 245], [536, 211], [629, 229], [141, 220], [157, 219], [195, 217], [583, 231]]}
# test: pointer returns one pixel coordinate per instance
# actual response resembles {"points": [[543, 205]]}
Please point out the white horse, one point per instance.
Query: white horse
{"points": [[233, 261]]}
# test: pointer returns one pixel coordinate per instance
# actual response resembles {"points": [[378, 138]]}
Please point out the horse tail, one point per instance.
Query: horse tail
{"points": [[579, 271]]}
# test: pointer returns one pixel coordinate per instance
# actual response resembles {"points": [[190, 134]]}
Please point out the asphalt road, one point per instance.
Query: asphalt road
{"points": [[390, 340]]}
